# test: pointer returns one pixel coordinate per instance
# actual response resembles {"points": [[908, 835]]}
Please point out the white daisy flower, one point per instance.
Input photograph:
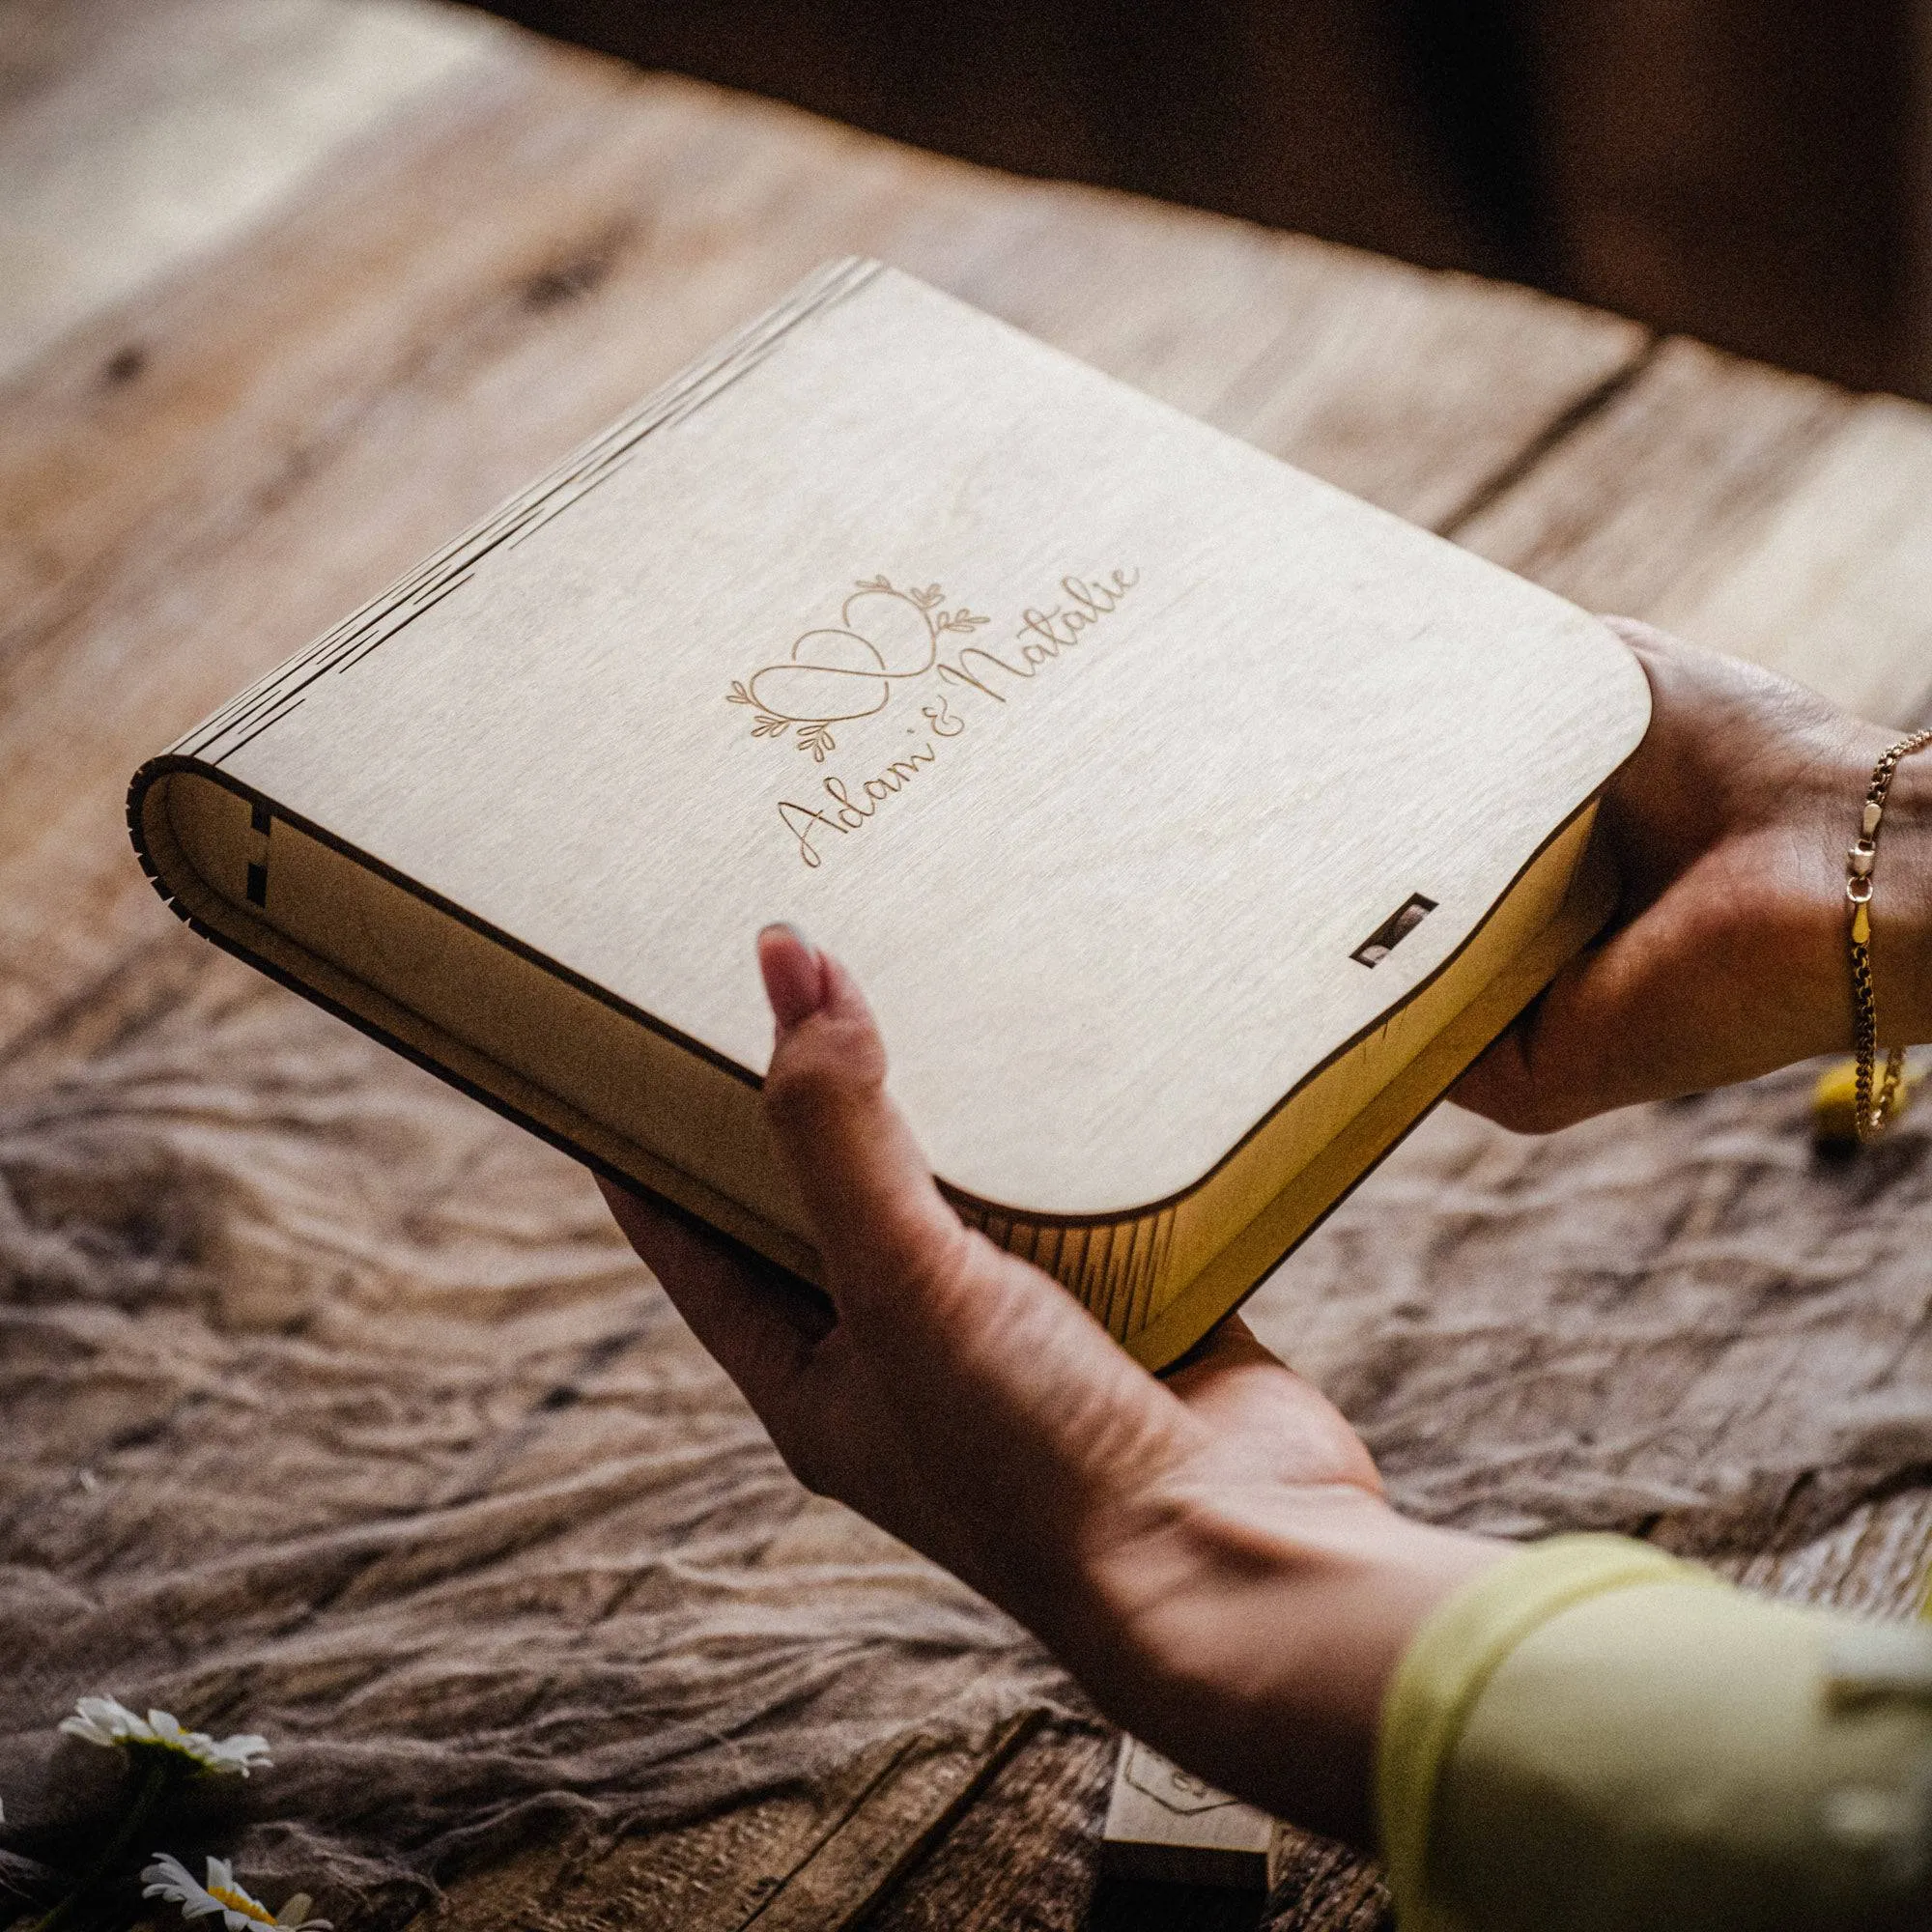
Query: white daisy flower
{"points": [[108, 1722], [239, 1911]]}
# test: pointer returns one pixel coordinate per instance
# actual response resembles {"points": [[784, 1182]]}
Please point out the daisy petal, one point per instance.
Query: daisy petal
{"points": [[107, 1722]]}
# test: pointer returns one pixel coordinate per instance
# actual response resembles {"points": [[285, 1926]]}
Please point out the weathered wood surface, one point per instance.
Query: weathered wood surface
{"points": [[1759, 513], [138, 131], [248, 406]]}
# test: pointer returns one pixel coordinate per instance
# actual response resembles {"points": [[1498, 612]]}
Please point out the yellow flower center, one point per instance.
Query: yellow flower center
{"points": [[240, 1901]]}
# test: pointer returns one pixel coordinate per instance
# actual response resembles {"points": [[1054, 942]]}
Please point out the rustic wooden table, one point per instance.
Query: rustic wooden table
{"points": [[290, 291]]}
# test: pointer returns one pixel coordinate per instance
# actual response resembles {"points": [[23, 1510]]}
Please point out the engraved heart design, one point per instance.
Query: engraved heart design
{"points": [[833, 675], [886, 636], [897, 628]]}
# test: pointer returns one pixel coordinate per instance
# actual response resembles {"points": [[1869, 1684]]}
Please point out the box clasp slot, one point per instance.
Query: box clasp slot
{"points": [[1393, 930]]}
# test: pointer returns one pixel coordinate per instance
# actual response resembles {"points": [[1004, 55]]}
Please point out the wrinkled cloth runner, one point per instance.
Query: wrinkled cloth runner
{"points": [[1676, 1310], [334, 1408]]}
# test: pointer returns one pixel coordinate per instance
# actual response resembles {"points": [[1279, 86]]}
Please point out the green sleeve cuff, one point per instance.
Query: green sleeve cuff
{"points": [[1564, 1751], [1452, 1660]]}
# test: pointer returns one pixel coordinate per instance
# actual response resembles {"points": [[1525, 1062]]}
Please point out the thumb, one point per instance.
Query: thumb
{"points": [[879, 1219]]}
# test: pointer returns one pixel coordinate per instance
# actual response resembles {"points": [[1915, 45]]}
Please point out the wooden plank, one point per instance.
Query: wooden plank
{"points": [[799, 1859], [795, 1863], [924, 1792], [198, 117], [1832, 585], [198, 482], [1761, 514], [1395, 382], [1671, 470], [710, 1876], [1029, 1855]]}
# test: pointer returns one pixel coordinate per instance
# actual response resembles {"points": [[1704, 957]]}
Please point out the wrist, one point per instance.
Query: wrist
{"points": [[1804, 920], [1901, 906], [1252, 1634]]}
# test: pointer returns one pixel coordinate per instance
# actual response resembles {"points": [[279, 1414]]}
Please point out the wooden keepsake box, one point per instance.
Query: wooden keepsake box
{"points": [[1189, 823]]}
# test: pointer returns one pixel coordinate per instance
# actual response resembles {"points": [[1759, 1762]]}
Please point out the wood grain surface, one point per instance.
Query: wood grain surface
{"points": [[271, 408], [141, 133]]}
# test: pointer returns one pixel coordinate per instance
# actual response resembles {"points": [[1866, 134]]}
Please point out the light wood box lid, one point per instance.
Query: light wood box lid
{"points": [[1104, 891]]}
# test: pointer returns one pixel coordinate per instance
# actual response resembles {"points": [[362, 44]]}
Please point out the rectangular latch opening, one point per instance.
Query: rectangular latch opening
{"points": [[1393, 930]]}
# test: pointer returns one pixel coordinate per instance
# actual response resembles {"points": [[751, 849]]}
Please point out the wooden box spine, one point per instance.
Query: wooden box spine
{"points": [[271, 698]]}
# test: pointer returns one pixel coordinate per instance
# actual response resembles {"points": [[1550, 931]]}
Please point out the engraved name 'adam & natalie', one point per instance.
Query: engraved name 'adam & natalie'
{"points": [[888, 641]]}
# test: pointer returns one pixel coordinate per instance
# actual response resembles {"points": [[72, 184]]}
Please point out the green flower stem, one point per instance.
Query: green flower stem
{"points": [[161, 1774]]}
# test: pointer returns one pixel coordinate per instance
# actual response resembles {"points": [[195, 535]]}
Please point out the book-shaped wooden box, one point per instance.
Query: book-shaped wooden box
{"points": [[1189, 823]]}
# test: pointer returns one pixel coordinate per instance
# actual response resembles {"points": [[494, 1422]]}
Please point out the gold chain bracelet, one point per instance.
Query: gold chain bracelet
{"points": [[1872, 1112]]}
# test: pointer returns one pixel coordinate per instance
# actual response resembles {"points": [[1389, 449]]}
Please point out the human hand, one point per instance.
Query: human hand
{"points": [[1211, 1555], [1726, 957]]}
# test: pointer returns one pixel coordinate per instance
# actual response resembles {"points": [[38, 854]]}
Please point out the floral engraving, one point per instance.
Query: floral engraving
{"points": [[885, 636]]}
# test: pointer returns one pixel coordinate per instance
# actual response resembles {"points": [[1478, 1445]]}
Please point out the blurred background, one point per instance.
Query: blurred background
{"points": [[1754, 172]]}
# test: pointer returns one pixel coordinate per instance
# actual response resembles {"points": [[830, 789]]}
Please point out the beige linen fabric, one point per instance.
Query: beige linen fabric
{"points": [[334, 1408], [1676, 1310]]}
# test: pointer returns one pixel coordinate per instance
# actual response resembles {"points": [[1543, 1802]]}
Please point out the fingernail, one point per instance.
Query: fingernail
{"points": [[794, 975]]}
